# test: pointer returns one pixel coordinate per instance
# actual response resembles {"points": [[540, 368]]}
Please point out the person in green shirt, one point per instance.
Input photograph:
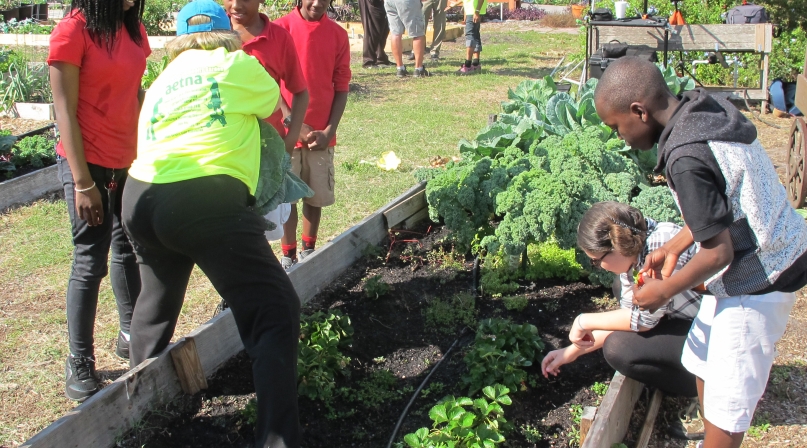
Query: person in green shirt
{"points": [[188, 203], [473, 41]]}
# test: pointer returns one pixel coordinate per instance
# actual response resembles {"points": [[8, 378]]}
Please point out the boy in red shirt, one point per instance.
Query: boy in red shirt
{"points": [[324, 53], [272, 46]]}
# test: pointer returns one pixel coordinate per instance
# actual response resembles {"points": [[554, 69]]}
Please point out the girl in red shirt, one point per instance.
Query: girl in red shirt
{"points": [[97, 58]]}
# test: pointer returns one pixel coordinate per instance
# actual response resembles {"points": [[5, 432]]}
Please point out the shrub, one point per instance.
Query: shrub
{"points": [[36, 151], [500, 349], [157, 15], [462, 422], [322, 339]]}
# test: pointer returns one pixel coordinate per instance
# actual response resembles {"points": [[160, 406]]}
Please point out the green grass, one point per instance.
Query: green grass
{"points": [[416, 118]]}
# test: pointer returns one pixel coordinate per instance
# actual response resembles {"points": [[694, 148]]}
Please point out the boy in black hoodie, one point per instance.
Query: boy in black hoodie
{"points": [[752, 246]]}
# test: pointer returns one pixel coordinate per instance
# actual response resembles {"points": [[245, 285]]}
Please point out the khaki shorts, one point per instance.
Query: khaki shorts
{"points": [[315, 168]]}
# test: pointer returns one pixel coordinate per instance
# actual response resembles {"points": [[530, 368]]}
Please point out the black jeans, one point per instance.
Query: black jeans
{"points": [[92, 246], [653, 357], [376, 31], [206, 221]]}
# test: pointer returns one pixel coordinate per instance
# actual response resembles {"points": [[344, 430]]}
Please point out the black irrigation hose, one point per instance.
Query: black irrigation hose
{"points": [[475, 277], [425, 380]]}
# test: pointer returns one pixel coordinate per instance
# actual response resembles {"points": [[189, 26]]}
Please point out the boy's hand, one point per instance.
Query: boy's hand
{"points": [[651, 296], [305, 131], [318, 140], [580, 337], [477, 17], [660, 263], [556, 358]]}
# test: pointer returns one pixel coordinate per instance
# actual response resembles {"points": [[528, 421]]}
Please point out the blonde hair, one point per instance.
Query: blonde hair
{"points": [[206, 40]]}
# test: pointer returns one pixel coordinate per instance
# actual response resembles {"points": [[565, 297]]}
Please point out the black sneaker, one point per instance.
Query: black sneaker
{"points": [[422, 72], [80, 381], [402, 73], [122, 347], [306, 253], [410, 56], [690, 424]]}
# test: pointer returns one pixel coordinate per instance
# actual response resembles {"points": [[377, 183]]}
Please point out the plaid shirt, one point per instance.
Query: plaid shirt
{"points": [[682, 306]]}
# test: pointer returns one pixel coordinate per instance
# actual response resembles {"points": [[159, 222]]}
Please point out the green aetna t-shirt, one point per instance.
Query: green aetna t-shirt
{"points": [[199, 118]]}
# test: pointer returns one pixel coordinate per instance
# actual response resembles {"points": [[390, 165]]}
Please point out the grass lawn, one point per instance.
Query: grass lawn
{"points": [[416, 118]]}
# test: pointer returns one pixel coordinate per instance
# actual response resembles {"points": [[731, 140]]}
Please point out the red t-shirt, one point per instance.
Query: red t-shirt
{"points": [[107, 89], [274, 49], [324, 53]]}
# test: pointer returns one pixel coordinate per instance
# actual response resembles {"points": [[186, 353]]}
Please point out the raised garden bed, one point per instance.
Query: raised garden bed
{"points": [[34, 170]]}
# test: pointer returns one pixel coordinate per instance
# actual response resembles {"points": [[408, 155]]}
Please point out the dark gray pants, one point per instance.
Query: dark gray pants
{"points": [[472, 37], [653, 357], [90, 257], [206, 222], [376, 31]]}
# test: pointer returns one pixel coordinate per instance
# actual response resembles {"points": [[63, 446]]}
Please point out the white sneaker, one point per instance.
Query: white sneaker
{"points": [[287, 262]]}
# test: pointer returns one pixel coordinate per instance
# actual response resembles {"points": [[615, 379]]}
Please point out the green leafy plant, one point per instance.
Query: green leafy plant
{"points": [[250, 412], [677, 84], [24, 85], [515, 303], [320, 360], [531, 434], [500, 349], [153, 70], [576, 411], [157, 15], [445, 315], [376, 390], [466, 423], [7, 167], [26, 26], [599, 388], [36, 151], [375, 287]]}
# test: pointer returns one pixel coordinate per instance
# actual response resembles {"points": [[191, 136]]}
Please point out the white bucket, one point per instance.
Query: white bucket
{"points": [[621, 9], [279, 216]]}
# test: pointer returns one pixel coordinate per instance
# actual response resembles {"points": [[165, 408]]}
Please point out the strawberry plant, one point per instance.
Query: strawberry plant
{"points": [[500, 349], [322, 339], [465, 423]]}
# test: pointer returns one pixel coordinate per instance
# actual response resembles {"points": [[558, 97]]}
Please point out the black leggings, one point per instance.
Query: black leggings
{"points": [[206, 222], [653, 357]]}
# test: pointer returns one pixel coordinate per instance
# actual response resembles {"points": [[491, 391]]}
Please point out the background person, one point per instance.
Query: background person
{"points": [[435, 10], [97, 118], [376, 32], [272, 46], [324, 52], [406, 16], [188, 203], [473, 38]]}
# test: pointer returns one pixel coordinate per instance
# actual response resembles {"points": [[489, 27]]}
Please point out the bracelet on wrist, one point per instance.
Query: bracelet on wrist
{"points": [[579, 324], [84, 190]]}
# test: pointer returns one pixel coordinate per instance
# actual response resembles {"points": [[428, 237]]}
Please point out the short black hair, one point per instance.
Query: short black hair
{"points": [[106, 17], [630, 79]]}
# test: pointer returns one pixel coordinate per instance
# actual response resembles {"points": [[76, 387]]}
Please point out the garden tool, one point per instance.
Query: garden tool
{"points": [[677, 18]]}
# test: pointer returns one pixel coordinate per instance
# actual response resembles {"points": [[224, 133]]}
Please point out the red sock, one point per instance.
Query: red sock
{"points": [[289, 250], [309, 242]]}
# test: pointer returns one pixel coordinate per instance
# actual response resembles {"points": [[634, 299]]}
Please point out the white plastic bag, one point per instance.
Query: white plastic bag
{"points": [[279, 216]]}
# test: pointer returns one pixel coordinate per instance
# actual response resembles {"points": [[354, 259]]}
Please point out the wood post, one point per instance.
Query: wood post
{"points": [[589, 413], [613, 416], [650, 420], [188, 366]]}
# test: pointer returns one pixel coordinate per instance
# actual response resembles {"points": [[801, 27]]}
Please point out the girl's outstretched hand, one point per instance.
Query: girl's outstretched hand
{"points": [[556, 358]]}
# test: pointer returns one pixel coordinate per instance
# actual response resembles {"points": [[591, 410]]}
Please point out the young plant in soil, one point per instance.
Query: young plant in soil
{"points": [[445, 315], [322, 339], [375, 287], [500, 350], [462, 422]]}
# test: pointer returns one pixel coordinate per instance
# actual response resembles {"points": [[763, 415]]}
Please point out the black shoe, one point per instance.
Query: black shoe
{"points": [[434, 56], [386, 63], [410, 56], [402, 73], [422, 72], [122, 347], [80, 381]]}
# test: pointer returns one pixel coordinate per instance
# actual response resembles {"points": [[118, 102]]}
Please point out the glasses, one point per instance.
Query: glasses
{"points": [[597, 262]]}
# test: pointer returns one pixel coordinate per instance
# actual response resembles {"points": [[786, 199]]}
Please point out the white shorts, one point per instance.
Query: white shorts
{"points": [[731, 346]]}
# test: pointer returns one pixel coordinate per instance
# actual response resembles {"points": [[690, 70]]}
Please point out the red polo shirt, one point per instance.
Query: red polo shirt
{"points": [[108, 83], [275, 50], [324, 52]]}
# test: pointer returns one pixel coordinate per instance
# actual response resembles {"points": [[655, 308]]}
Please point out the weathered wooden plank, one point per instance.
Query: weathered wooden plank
{"points": [[801, 93], [613, 416], [755, 38], [405, 209], [29, 186], [650, 420], [324, 265], [738, 93], [188, 367], [411, 221], [586, 420], [115, 409]]}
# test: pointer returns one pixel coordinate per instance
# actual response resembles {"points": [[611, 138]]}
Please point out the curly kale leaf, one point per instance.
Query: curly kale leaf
{"points": [[658, 203]]}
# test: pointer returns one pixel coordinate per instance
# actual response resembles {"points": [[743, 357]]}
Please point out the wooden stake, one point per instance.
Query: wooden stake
{"points": [[589, 413], [613, 416], [650, 420], [188, 366]]}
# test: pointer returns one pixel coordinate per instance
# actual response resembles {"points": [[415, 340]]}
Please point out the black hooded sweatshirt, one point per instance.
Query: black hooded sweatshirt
{"points": [[722, 179]]}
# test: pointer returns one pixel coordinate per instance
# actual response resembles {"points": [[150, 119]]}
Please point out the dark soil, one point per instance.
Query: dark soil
{"points": [[391, 333]]}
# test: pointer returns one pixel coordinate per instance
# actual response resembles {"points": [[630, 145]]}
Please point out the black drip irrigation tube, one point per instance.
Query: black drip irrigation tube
{"points": [[417, 392], [475, 291]]}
